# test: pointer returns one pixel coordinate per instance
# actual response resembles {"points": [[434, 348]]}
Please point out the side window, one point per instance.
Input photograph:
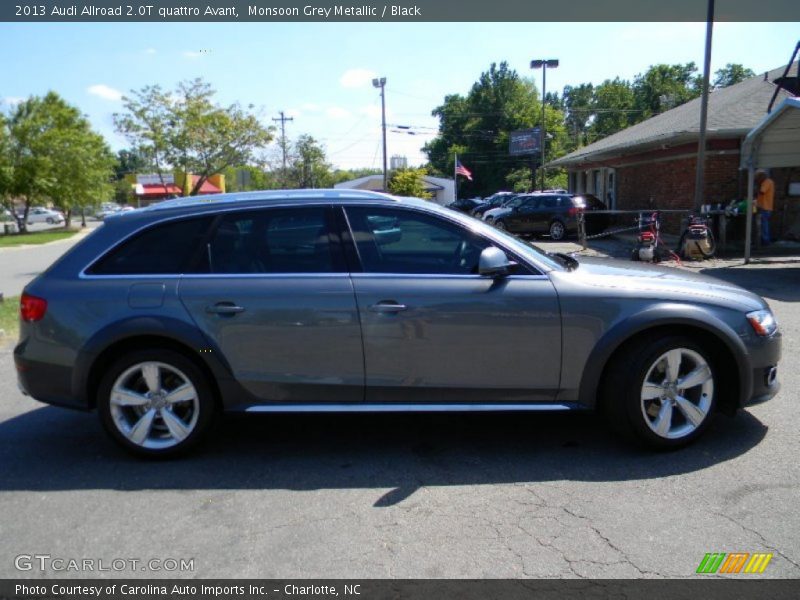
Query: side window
{"points": [[272, 241], [550, 202], [404, 241], [159, 250]]}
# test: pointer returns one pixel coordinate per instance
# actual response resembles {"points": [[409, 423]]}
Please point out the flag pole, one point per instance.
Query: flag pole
{"points": [[455, 176]]}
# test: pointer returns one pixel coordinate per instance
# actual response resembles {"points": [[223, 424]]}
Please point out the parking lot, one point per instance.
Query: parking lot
{"points": [[538, 495]]}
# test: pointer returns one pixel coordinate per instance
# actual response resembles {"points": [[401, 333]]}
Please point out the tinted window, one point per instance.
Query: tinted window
{"points": [[551, 202], [161, 249], [272, 241], [397, 241]]}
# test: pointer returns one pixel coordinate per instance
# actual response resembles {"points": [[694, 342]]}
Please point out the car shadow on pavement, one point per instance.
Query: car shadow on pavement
{"points": [[50, 449], [778, 283]]}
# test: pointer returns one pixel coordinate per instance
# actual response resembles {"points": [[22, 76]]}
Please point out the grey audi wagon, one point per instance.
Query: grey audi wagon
{"points": [[348, 301]]}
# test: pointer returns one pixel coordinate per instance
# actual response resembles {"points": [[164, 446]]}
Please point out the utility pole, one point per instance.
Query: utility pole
{"points": [[381, 83], [699, 182], [283, 118]]}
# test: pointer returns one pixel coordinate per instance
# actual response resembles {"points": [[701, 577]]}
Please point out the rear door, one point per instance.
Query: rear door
{"points": [[435, 331], [272, 293]]}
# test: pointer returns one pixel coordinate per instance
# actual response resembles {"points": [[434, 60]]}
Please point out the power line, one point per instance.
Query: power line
{"points": [[283, 118]]}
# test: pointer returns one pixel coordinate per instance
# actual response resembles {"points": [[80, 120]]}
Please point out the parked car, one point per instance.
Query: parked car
{"points": [[39, 214], [491, 202], [271, 302], [8, 224], [507, 206], [465, 205], [106, 209], [553, 214]]}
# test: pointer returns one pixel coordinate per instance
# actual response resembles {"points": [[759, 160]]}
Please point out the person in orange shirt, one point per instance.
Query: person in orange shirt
{"points": [[765, 200]]}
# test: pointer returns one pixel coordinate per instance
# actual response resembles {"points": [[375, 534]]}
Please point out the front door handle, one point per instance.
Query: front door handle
{"points": [[224, 308], [388, 306]]}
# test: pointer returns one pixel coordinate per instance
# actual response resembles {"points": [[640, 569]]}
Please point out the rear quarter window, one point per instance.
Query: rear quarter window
{"points": [[161, 249]]}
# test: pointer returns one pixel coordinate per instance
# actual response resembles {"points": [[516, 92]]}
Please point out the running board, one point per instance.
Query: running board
{"points": [[394, 408]]}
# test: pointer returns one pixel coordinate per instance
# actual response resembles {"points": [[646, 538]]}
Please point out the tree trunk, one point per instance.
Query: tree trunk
{"points": [[83, 216], [67, 218]]}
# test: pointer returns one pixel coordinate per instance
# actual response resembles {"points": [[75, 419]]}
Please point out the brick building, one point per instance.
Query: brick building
{"points": [[652, 164]]}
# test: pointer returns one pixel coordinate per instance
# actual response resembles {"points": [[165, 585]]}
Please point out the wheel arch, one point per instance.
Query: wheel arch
{"points": [[141, 333], [713, 333]]}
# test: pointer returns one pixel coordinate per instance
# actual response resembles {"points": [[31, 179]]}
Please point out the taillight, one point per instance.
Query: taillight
{"points": [[32, 308], [573, 210]]}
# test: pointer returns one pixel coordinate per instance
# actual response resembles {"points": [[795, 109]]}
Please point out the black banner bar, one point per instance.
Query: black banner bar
{"points": [[394, 10], [416, 589]]}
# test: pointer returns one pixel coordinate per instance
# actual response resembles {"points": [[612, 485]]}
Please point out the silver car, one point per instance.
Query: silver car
{"points": [[347, 301]]}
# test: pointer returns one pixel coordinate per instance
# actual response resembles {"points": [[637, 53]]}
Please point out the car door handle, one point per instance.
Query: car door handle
{"points": [[224, 308], [388, 306]]}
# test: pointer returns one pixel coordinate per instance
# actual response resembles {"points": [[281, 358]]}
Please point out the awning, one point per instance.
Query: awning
{"points": [[773, 143]]}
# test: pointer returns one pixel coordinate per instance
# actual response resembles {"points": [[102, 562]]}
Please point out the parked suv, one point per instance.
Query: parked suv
{"points": [[553, 214], [494, 201], [348, 301]]}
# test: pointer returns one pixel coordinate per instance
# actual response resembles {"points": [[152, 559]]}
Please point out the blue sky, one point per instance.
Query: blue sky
{"points": [[320, 73]]}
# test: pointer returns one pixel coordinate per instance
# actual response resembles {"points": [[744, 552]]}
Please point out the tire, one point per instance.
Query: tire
{"points": [[639, 403], [500, 225], [50, 220], [557, 231], [144, 420]]}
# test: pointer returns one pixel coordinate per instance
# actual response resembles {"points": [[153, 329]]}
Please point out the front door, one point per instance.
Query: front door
{"points": [[272, 293], [434, 330]]}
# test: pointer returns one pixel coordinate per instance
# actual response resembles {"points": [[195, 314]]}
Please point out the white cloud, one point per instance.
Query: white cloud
{"points": [[150, 51], [12, 100], [356, 78], [105, 92], [192, 54], [337, 112]]}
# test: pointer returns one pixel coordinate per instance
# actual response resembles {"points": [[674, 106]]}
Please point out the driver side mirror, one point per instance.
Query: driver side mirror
{"points": [[493, 262]]}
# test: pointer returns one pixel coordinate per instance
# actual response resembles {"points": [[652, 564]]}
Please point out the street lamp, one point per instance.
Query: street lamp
{"points": [[381, 83], [543, 65]]}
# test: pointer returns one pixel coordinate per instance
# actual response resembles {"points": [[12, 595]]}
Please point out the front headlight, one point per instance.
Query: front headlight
{"points": [[762, 322]]}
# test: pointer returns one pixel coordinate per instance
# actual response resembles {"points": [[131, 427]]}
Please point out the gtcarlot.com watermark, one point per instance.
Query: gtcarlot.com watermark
{"points": [[59, 564]]}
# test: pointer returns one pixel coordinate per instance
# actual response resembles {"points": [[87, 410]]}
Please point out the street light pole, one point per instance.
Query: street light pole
{"points": [[381, 83], [543, 64]]}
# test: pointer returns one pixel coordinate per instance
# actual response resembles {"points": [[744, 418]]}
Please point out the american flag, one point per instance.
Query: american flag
{"points": [[462, 170]]}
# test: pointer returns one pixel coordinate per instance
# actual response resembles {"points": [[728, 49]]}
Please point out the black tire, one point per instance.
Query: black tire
{"points": [[202, 403], [622, 391], [557, 230], [501, 225]]}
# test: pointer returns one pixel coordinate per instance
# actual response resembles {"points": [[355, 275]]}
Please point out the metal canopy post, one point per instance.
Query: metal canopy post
{"points": [[748, 236]]}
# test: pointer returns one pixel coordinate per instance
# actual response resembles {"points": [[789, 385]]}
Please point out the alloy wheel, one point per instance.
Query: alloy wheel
{"points": [[677, 393], [556, 230], [154, 405]]}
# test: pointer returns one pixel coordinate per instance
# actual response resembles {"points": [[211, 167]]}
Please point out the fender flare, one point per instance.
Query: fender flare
{"points": [[651, 318]]}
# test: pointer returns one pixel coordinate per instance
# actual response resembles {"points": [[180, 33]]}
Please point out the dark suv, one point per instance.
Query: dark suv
{"points": [[348, 301], [553, 214], [490, 202]]}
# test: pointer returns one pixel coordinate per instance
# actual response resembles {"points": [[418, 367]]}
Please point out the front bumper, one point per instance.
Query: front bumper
{"points": [[764, 356]]}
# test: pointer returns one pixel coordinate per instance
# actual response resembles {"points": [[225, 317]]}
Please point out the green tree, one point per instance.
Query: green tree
{"points": [[663, 87], [477, 127], [53, 155], [578, 104], [409, 182], [187, 130], [245, 178], [308, 167], [130, 162], [614, 105], [731, 74]]}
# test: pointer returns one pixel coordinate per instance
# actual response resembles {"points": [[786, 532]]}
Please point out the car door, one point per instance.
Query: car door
{"points": [[526, 216], [435, 331], [272, 292]]}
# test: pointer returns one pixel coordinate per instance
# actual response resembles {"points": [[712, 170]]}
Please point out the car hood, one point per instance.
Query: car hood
{"points": [[497, 212], [629, 278]]}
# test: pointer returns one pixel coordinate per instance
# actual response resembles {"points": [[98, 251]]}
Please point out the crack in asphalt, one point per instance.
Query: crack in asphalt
{"points": [[764, 541]]}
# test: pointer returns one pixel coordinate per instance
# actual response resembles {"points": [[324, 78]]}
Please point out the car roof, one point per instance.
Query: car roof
{"points": [[211, 203]]}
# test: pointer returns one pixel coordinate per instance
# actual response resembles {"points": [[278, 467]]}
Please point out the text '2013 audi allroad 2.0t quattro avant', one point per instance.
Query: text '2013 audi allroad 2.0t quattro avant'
{"points": [[355, 301]]}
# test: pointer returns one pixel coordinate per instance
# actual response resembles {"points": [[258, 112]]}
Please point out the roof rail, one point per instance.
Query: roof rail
{"points": [[310, 194]]}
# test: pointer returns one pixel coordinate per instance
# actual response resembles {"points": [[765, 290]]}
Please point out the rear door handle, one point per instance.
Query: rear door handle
{"points": [[224, 308], [388, 306]]}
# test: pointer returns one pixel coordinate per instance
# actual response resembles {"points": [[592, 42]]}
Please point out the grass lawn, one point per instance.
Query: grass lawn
{"points": [[9, 319], [39, 237]]}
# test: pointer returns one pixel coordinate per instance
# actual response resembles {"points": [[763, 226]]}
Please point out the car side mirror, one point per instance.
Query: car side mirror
{"points": [[493, 262]]}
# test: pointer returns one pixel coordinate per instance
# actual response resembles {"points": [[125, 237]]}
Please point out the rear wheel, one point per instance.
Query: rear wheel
{"points": [[500, 225], [661, 392], [557, 230], [155, 403]]}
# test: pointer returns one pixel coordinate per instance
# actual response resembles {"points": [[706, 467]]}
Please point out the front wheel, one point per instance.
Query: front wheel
{"points": [[501, 225], [661, 391], [155, 403]]}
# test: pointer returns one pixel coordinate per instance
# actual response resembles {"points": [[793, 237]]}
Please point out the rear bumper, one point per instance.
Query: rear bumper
{"points": [[46, 382]]}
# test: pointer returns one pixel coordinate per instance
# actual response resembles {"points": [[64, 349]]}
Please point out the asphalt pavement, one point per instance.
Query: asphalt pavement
{"points": [[357, 496]]}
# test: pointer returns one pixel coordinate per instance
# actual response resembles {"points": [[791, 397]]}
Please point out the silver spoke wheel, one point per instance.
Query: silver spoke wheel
{"points": [[677, 392], [154, 405], [556, 230]]}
